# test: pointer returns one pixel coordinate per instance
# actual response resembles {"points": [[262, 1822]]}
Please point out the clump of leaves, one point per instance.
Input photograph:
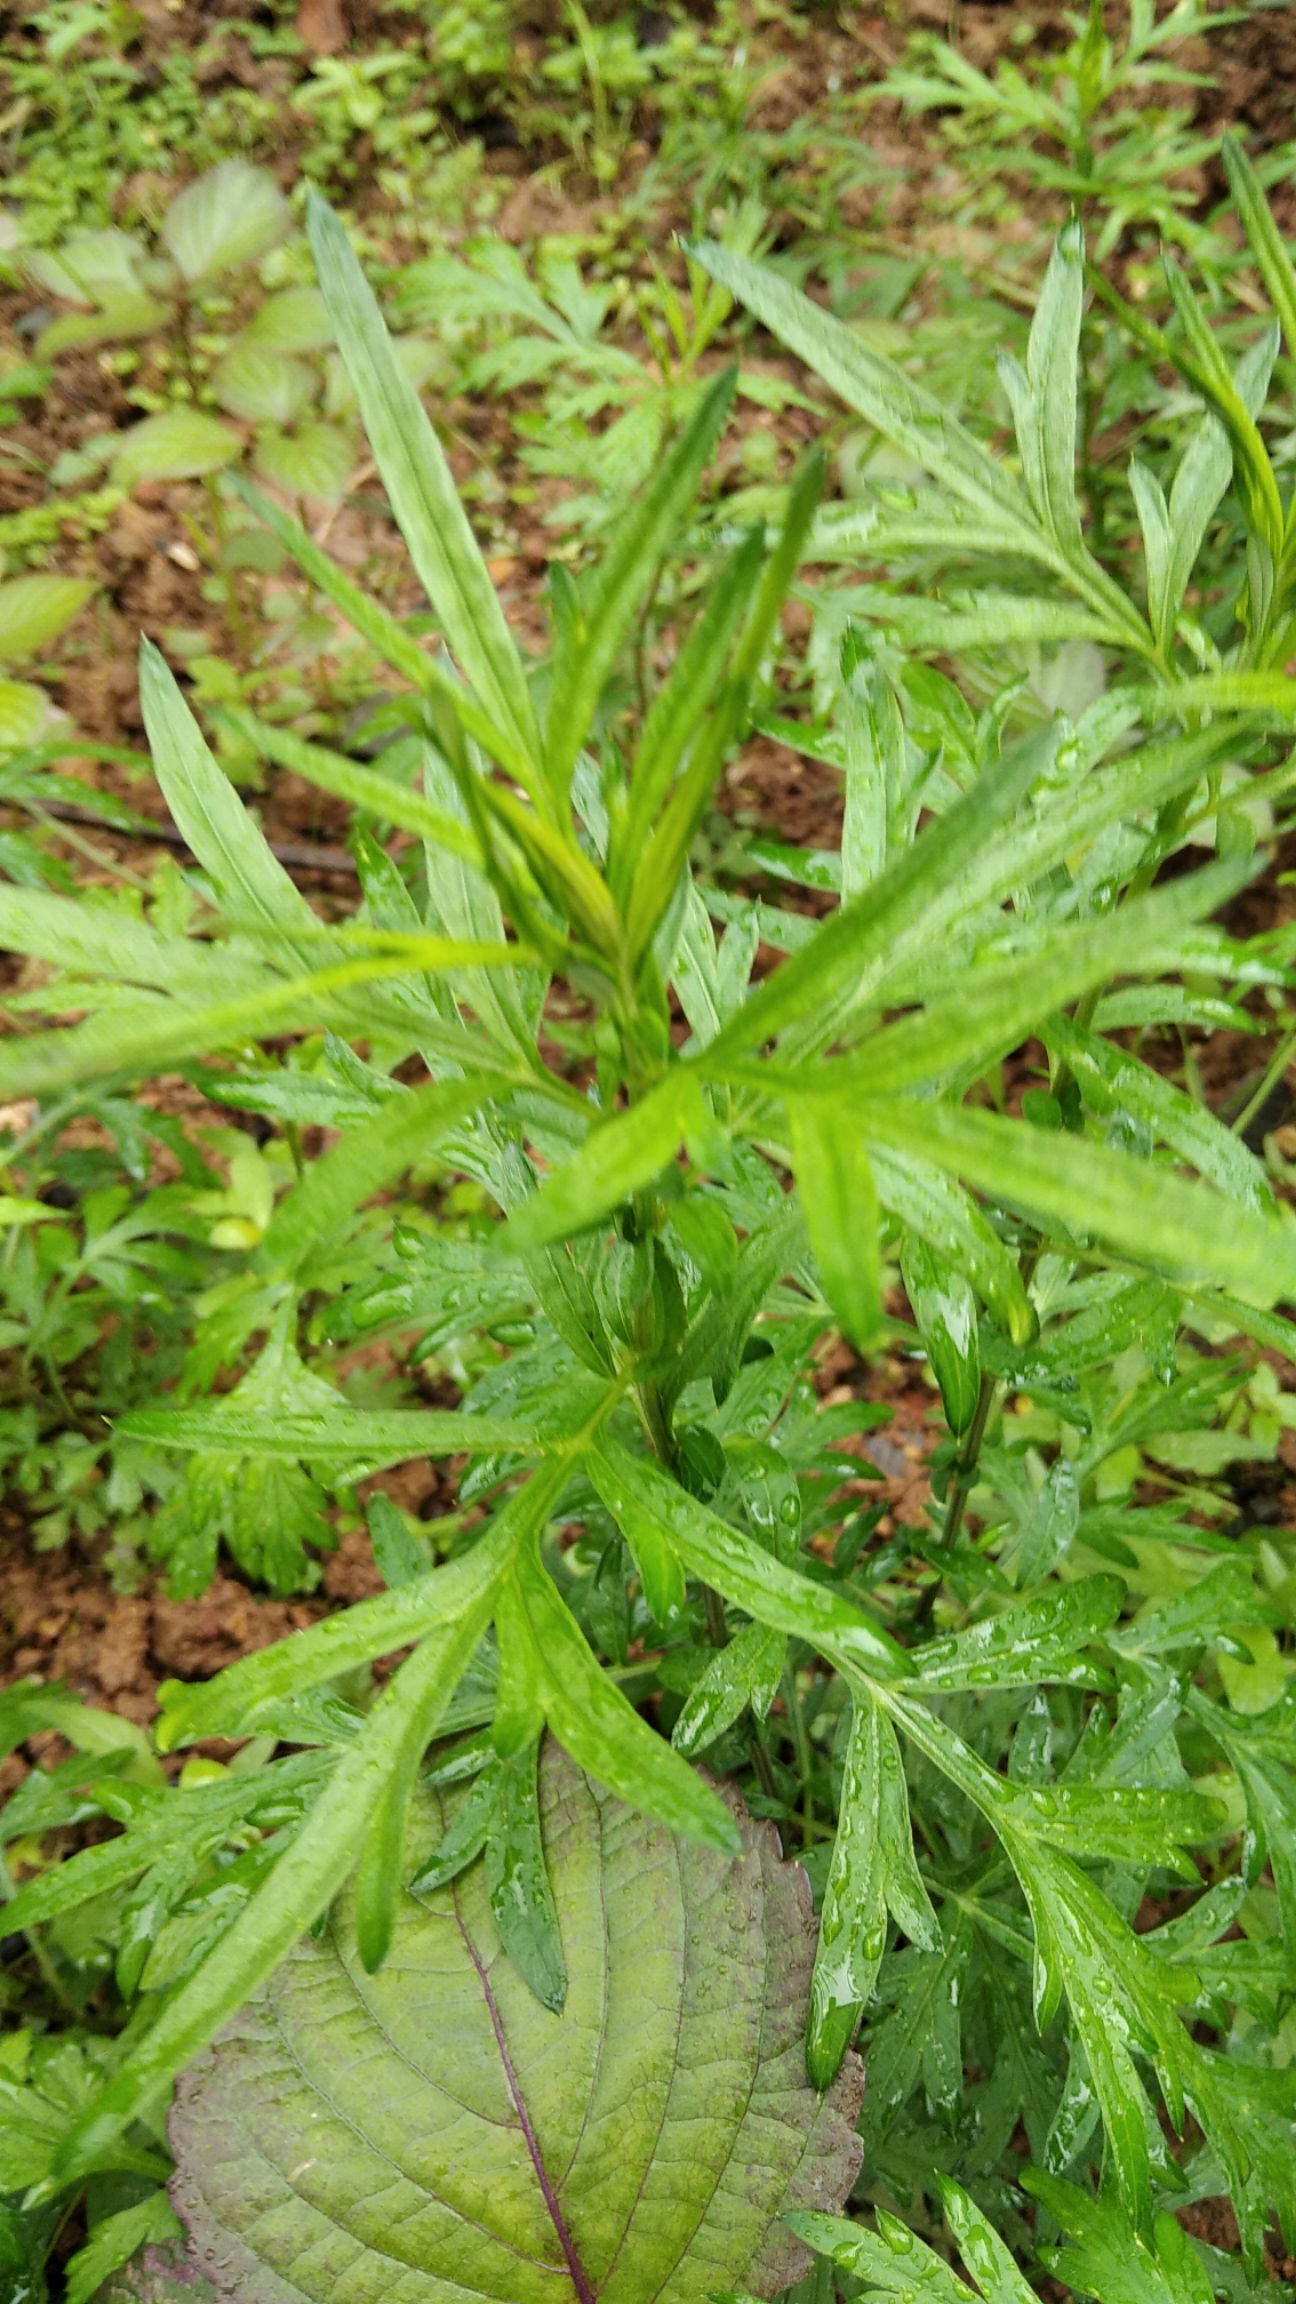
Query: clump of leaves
{"points": [[129, 289], [169, 296], [1090, 125], [604, 413], [1039, 1677]]}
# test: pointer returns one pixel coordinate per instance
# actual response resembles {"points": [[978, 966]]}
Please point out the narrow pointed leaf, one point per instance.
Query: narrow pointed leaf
{"points": [[604, 1734], [518, 1884], [839, 1200], [723, 1557], [818, 978], [618, 1159], [408, 1128], [621, 583], [424, 498], [301, 1885], [873, 1871], [944, 1307], [1138, 1207], [388, 638]]}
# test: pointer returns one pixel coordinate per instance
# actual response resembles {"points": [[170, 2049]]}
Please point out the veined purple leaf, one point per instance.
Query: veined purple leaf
{"points": [[432, 2133]]}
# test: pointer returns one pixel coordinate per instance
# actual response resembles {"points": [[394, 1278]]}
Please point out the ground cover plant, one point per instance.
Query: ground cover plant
{"points": [[578, 1157]]}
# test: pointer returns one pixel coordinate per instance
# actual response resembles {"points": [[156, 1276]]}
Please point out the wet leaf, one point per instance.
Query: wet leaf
{"points": [[438, 2127]]}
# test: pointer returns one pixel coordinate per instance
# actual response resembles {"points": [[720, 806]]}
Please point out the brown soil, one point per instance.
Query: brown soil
{"points": [[60, 1620]]}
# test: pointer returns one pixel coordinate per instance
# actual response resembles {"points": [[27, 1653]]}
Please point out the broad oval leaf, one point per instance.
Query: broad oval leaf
{"points": [[292, 320], [180, 444], [433, 2131], [315, 461], [231, 215], [263, 386], [25, 712], [35, 609]]}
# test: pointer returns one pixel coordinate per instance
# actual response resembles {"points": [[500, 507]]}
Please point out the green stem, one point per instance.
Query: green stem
{"points": [[801, 1747], [763, 1766], [38, 1952], [1266, 1084]]}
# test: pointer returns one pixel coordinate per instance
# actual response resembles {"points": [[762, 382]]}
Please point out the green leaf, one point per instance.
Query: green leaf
{"points": [[1262, 1749], [124, 317], [873, 1871], [594, 1722], [251, 883], [877, 389], [948, 1221], [1173, 534], [99, 940], [744, 1674], [424, 498], [944, 1307], [150, 1038], [730, 1562], [261, 386], [1112, 1080], [986, 618], [292, 320], [875, 776], [658, 871], [1266, 242], [25, 713], [613, 594], [822, 981], [180, 444], [354, 1436], [316, 461], [839, 1201], [231, 215], [1205, 365], [88, 267], [618, 1158], [1107, 2258], [982, 2248], [385, 635], [1026, 1644], [659, 1566], [892, 2261], [1137, 1207], [409, 1128], [399, 1557], [352, 780], [517, 1880], [114, 2239], [233, 1702], [35, 609], [680, 705], [1043, 396], [464, 1837], [642, 2144], [998, 1004], [1117, 2002], [300, 1886], [921, 425]]}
